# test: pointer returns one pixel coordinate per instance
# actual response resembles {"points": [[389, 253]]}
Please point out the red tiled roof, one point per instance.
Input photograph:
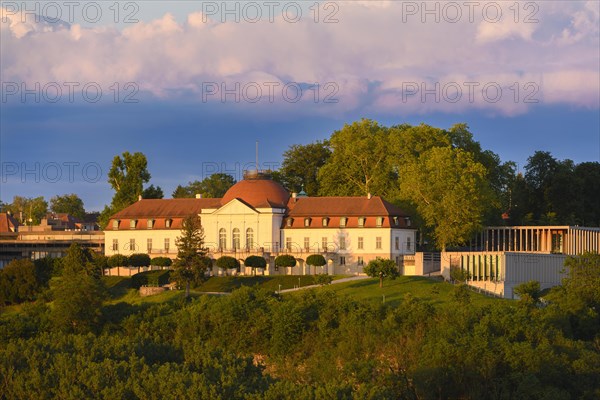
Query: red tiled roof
{"points": [[166, 208], [7, 223], [343, 207]]}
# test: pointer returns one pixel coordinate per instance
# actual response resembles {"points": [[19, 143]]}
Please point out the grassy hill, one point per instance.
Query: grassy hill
{"points": [[433, 291]]}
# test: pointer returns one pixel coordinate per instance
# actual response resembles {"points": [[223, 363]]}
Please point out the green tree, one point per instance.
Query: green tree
{"points": [[191, 262], [316, 260], [450, 192], [152, 192], [139, 260], [381, 268], [285, 260], [213, 186], [118, 260], [19, 282], [126, 176], [69, 203], [458, 274], [300, 167], [227, 262], [255, 262], [161, 261], [28, 210], [359, 163], [80, 260], [529, 292]]}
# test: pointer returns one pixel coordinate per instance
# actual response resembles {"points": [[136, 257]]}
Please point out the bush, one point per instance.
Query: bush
{"points": [[139, 260], [323, 279], [150, 278], [19, 282], [161, 261]]}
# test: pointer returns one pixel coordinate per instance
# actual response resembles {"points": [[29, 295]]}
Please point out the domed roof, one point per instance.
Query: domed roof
{"points": [[258, 190]]}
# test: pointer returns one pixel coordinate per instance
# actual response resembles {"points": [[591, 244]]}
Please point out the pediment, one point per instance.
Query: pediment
{"points": [[235, 207]]}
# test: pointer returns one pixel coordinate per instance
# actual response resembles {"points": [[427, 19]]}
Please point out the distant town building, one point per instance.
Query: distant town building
{"points": [[257, 216], [51, 238]]}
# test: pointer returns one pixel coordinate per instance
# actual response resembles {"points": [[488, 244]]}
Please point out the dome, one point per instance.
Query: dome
{"points": [[258, 190]]}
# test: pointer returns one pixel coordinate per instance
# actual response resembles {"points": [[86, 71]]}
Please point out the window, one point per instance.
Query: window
{"points": [[361, 222], [149, 245], [116, 224], [115, 245], [288, 243], [342, 260], [408, 243], [324, 243], [342, 243], [132, 223], [167, 245], [132, 244], [397, 243], [249, 238], [236, 239], [150, 223], [361, 243], [378, 242], [307, 222], [343, 221], [396, 222], [361, 261], [289, 222], [168, 223], [325, 221], [379, 222], [222, 239], [306, 244]]}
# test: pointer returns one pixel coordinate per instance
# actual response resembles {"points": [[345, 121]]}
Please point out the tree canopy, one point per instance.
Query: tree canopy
{"points": [[213, 186], [191, 262], [69, 204], [381, 268]]}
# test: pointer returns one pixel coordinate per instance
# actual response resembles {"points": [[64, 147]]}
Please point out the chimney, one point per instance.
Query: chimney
{"points": [[198, 195], [369, 196], [139, 197]]}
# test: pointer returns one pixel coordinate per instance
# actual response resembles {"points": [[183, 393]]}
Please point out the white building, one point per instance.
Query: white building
{"points": [[257, 216]]}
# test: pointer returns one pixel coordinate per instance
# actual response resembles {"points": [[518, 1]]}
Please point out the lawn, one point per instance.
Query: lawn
{"points": [[434, 291], [229, 283]]}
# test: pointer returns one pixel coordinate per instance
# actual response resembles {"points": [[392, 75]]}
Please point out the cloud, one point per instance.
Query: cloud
{"points": [[371, 54]]}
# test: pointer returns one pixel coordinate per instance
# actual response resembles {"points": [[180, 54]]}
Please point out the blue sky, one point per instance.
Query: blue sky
{"points": [[523, 78]]}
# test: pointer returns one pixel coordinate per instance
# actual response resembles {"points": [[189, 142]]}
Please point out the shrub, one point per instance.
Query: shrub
{"points": [[161, 261], [150, 278]]}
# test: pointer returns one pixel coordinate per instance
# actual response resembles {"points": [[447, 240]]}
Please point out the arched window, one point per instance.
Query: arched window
{"points": [[236, 239], [222, 239], [249, 238]]}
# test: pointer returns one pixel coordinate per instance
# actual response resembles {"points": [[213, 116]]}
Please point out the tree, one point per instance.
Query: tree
{"points": [[255, 262], [316, 260], [161, 261], [528, 292], [19, 282], [458, 274], [127, 176], [69, 204], [300, 168], [285, 260], [228, 262], [118, 260], [79, 260], [450, 192], [139, 260], [381, 268], [152, 192], [359, 163], [191, 262], [28, 210], [213, 186]]}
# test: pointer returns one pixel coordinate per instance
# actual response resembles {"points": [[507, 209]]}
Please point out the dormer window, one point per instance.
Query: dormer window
{"points": [[325, 221], [343, 221], [115, 224], [396, 221], [132, 223], [379, 222], [361, 221], [150, 223], [168, 223], [289, 222], [307, 222], [407, 221]]}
